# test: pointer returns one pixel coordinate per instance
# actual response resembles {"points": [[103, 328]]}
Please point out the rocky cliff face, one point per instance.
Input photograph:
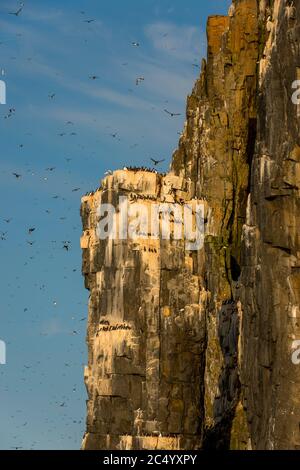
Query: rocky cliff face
{"points": [[189, 348]]}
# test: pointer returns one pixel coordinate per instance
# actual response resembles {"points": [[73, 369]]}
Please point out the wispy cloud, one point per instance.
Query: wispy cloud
{"points": [[184, 43]]}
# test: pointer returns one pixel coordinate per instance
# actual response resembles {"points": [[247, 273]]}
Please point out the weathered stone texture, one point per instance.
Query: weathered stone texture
{"points": [[196, 352], [146, 331], [270, 281]]}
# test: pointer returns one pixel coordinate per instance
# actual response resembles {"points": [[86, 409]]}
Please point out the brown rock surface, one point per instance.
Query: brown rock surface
{"points": [[192, 349]]}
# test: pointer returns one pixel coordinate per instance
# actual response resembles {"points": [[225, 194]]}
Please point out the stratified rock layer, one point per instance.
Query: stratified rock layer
{"points": [[146, 331], [192, 349]]}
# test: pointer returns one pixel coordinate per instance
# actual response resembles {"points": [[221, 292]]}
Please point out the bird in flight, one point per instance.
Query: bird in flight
{"points": [[172, 114], [93, 77], [139, 80], [17, 175], [135, 44], [11, 111], [66, 245], [31, 230], [157, 162], [17, 13], [51, 96], [88, 21]]}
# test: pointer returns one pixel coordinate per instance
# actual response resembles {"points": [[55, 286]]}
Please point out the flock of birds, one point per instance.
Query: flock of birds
{"points": [[31, 242]]}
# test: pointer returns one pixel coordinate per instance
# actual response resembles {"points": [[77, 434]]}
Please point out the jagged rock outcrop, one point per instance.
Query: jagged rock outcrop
{"points": [[192, 349]]}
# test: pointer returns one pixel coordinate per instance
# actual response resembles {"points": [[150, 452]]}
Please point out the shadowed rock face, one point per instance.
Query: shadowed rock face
{"points": [[193, 349]]}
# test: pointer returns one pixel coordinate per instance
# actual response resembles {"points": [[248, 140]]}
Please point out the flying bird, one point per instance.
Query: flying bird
{"points": [[172, 114], [88, 21], [139, 80], [10, 113], [157, 162], [17, 175], [17, 13], [135, 44]]}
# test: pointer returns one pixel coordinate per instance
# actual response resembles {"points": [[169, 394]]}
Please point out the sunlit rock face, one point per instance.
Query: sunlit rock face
{"points": [[146, 331], [190, 348]]}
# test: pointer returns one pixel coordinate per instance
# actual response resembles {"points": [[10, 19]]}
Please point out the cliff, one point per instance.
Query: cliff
{"points": [[192, 348]]}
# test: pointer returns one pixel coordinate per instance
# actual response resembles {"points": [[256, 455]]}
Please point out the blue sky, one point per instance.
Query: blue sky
{"points": [[81, 127]]}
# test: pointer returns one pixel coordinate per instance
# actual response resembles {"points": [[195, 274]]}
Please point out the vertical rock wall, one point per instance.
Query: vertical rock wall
{"points": [[270, 279], [193, 349], [146, 332]]}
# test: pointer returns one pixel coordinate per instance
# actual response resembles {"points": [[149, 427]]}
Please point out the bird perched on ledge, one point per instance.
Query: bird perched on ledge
{"points": [[270, 24], [231, 10]]}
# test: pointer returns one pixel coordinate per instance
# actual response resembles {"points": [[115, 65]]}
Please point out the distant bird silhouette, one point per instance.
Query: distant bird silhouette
{"points": [[10, 113], [18, 12], [135, 44], [157, 162], [17, 175], [139, 80], [88, 21], [172, 114]]}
